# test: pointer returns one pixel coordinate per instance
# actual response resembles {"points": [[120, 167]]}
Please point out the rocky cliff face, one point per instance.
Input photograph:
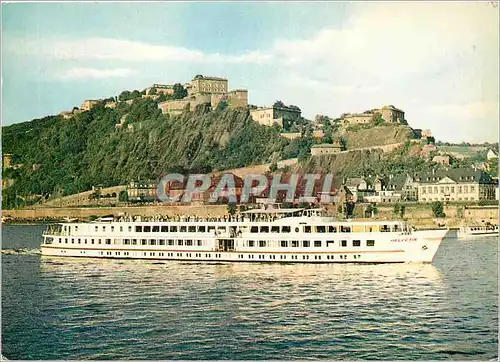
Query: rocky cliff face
{"points": [[387, 133]]}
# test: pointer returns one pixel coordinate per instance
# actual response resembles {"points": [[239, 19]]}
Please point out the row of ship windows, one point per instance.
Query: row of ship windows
{"points": [[295, 257], [253, 229], [306, 243], [249, 243], [188, 242], [240, 256]]}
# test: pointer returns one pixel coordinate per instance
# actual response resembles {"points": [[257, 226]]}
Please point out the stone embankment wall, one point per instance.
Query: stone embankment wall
{"points": [[84, 212], [419, 215], [83, 198]]}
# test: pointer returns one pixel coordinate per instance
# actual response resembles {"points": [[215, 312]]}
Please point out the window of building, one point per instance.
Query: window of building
{"points": [[295, 243], [356, 243], [307, 229], [285, 229], [306, 243], [147, 229], [343, 243], [104, 228], [370, 242], [180, 242], [152, 242], [345, 229], [200, 243], [192, 229], [275, 229], [156, 228], [201, 229], [183, 229], [138, 229], [320, 229], [164, 229], [332, 229], [264, 229], [317, 243], [173, 229], [254, 229], [251, 243], [262, 243], [108, 241], [284, 243]]}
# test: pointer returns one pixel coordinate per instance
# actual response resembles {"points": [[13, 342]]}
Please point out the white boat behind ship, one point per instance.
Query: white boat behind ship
{"points": [[477, 231], [271, 235]]}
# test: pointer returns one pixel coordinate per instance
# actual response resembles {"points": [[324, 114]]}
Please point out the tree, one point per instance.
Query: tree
{"points": [[179, 91], [303, 155], [369, 211], [437, 209], [135, 94], [231, 209], [221, 106], [396, 210], [349, 207], [123, 196], [402, 211], [273, 167], [152, 91], [162, 98], [124, 96], [378, 119]]}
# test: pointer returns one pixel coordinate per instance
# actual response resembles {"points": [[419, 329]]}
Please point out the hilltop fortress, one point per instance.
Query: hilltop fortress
{"points": [[387, 113], [201, 90]]}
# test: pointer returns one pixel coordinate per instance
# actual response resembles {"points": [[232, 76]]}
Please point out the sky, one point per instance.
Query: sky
{"points": [[438, 61]]}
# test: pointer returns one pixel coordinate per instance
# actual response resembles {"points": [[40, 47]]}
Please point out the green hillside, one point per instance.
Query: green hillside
{"points": [[111, 146], [89, 150]]}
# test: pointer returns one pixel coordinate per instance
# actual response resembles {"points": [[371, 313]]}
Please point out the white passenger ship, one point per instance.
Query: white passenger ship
{"points": [[476, 231], [273, 235]]}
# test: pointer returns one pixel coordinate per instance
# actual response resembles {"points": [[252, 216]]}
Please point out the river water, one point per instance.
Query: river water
{"points": [[63, 308]]}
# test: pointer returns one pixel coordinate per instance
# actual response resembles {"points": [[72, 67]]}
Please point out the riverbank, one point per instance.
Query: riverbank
{"points": [[418, 215]]}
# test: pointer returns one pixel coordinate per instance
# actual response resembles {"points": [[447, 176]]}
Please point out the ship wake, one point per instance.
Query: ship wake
{"points": [[24, 251]]}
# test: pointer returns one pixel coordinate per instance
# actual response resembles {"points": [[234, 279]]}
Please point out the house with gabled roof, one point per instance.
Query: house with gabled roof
{"points": [[491, 155]]}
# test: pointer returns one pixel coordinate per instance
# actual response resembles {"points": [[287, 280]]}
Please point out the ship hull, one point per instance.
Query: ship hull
{"points": [[363, 247]]}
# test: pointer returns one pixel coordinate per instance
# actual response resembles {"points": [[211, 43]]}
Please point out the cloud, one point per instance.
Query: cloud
{"points": [[433, 59], [86, 73], [124, 50]]}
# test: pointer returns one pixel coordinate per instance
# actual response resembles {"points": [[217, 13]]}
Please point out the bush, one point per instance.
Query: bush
{"points": [[231, 209], [437, 209]]}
